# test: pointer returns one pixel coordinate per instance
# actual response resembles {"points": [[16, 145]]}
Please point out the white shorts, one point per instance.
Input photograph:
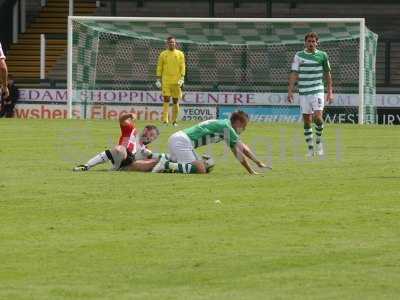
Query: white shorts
{"points": [[181, 148], [311, 103]]}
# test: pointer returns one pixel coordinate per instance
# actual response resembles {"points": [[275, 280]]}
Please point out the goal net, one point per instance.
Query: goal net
{"points": [[228, 56]]}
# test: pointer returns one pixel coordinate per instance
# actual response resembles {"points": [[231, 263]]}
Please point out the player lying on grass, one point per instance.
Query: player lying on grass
{"points": [[131, 153], [183, 158]]}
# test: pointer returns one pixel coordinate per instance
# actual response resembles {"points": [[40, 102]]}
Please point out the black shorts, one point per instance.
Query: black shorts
{"points": [[128, 160]]}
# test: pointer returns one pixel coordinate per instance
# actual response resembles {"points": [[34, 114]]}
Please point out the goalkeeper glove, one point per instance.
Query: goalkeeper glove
{"points": [[158, 83], [181, 82]]}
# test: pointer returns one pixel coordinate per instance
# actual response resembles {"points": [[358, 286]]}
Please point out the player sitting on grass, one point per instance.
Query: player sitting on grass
{"points": [[131, 153], [183, 158]]}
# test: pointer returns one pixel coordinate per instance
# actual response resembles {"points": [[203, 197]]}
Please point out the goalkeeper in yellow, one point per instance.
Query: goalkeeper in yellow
{"points": [[170, 78]]}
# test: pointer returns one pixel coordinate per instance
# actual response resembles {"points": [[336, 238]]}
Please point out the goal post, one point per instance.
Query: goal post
{"points": [[361, 78], [222, 54]]}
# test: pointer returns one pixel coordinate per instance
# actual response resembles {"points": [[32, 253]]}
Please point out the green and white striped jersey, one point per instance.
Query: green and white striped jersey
{"points": [[311, 68], [212, 131]]}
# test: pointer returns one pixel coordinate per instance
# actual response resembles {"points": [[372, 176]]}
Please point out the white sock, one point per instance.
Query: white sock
{"points": [[100, 158]]}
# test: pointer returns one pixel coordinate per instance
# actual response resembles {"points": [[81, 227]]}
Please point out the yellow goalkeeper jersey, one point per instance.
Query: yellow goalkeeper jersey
{"points": [[171, 66]]}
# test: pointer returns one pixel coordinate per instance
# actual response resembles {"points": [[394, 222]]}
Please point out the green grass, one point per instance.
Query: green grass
{"points": [[321, 229]]}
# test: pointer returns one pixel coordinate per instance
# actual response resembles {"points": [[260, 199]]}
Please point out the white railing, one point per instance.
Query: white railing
{"points": [[42, 56], [23, 15], [15, 27], [71, 8], [18, 19]]}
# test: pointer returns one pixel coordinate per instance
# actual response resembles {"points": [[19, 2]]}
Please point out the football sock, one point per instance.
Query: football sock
{"points": [[175, 111], [165, 112], [159, 155], [180, 168], [319, 127], [99, 159], [308, 136]]}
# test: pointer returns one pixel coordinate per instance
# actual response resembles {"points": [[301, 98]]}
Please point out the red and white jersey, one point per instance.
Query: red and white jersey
{"points": [[130, 139]]}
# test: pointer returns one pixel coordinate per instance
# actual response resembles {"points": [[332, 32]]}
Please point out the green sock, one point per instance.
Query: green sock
{"points": [[319, 127], [158, 155], [180, 168], [308, 134]]}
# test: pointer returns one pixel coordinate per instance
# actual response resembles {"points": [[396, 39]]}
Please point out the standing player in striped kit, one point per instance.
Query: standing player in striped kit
{"points": [[309, 67]]}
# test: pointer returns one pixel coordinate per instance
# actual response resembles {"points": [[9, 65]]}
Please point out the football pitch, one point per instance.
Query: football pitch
{"points": [[309, 229]]}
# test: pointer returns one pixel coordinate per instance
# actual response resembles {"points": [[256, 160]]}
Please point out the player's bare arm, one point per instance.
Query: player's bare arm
{"points": [[243, 148], [329, 83], [242, 159], [145, 165], [123, 119], [4, 76], [293, 77]]}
